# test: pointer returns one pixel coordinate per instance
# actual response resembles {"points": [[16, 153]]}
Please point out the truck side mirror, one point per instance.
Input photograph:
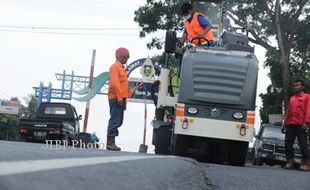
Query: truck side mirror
{"points": [[80, 117]]}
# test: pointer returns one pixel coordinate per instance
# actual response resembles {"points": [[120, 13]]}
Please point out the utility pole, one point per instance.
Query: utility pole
{"points": [[7, 132], [90, 84]]}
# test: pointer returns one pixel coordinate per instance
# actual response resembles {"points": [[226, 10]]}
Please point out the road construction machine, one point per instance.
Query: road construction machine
{"points": [[211, 115]]}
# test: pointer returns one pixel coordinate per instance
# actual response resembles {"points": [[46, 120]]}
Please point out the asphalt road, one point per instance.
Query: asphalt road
{"points": [[255, 178], [33, 166], [36, 167]]}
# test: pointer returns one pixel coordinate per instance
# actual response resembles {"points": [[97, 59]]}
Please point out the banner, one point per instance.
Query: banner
{"points": [[9, 107], [276, 118], [138, 63], [140, 90]]}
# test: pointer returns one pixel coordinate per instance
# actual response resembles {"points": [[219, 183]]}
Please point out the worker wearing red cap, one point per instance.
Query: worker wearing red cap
{"points": [[117, 94]]}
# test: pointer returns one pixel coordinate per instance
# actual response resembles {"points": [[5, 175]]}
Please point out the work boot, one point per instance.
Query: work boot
{"points": [[111, 144], [305, 166], [289, 164]]}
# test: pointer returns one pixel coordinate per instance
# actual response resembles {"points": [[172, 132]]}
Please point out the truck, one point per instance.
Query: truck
{"points": [[269, 146], [212, 115], [52, 121]]}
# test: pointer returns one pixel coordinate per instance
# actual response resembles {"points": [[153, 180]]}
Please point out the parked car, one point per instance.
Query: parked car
{"points": [[53, 121], [87, 140], [269, 146]]}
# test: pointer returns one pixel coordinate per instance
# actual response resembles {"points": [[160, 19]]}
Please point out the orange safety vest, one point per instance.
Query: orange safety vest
{"points": [[118, 83], [193, 27]]}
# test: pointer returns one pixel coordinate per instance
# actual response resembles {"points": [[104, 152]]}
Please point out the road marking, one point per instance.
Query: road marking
{"points": [[20, 167]]}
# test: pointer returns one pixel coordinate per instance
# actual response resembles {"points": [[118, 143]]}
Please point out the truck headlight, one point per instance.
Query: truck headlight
{"points": [[192, 110], [238, 115]]}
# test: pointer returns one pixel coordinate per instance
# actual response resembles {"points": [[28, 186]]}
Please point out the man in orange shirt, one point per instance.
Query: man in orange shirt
{"points": [[117, 94], [296, 123]]}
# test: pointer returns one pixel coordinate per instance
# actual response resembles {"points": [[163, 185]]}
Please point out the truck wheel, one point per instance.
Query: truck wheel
{"points": [[179, 145], [65, 139], [70, 141], [170, 41], [237, 153], [24, 139], [258, 162], [162, 138]]}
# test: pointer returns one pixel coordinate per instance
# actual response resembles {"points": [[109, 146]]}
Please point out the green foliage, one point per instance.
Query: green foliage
{"points": [[274, 64], [158, 15], [300, 66], [260, 18], [272, 100], [9, 123], [272, 103], [31, 106], [165, 15], [8, 127], [302, 42], [301, 71], [263, 23], [172, 62]]}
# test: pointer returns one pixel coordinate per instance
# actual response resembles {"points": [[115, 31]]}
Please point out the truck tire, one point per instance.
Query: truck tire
{"points": [[179, 145], [162, 138], [258, 162], [65, 139], [170, 41], [237, 153], [24, 139]]}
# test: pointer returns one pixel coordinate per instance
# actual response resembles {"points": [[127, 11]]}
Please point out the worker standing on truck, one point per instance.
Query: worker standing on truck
{"points": [[117, 94], [196, 26], [296, 122]]}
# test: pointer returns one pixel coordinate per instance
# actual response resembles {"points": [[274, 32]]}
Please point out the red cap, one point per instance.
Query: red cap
{"points": [[122, 52]]}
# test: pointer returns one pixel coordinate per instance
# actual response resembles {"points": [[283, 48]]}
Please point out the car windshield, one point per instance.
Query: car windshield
{"points": [[273, 133], [212, 10], [55, 111]]}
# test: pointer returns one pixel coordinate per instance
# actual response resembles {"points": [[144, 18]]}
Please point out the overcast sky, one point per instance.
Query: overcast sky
{"points": [[28, 56]]}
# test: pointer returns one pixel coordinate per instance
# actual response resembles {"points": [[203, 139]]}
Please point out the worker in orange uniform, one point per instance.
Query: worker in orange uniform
{"points": [[117, 94], [296, 123], [196, 26]]}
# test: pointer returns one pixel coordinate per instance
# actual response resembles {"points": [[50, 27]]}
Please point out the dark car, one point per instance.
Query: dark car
{"points": [[87, 140], [269, 146], [53, 121]]}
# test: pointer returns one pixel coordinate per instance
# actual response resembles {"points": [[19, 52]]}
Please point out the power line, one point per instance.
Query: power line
{"points": [[68, 28], [69, 33], [104, 1]]}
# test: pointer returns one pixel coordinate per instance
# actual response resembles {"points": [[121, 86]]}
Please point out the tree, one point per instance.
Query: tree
{"points": [[285, 20], [31, 106], [301, 58], [158, 15], [8, 127], [274, 18], [272, 104], [272, 99]]}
